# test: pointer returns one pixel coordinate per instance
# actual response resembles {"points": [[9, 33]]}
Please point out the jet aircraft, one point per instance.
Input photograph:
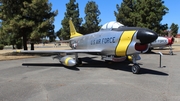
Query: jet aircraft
{"points": [[115, 44], [163, 42]]}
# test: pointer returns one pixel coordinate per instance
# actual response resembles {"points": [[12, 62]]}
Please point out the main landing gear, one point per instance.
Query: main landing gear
{"points": [[78, 60]]}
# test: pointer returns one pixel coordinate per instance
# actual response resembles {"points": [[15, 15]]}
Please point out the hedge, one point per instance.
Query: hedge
{"points": [[1, 46]]}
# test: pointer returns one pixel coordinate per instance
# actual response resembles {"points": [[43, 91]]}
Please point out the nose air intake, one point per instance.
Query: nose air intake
{"points": [[146, 36]]}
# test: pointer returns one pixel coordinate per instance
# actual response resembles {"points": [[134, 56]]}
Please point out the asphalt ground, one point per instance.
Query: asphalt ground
{"points": [[44, 79]]}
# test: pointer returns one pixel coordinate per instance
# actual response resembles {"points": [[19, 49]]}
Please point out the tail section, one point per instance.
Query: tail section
{"points": [[73, 32]]}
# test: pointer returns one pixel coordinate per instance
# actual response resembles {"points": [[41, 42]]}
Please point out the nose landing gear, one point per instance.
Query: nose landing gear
{"points": [[135, 68]]}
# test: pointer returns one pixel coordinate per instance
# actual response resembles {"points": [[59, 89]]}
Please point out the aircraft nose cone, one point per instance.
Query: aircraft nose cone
{"points": [[146, 36]]}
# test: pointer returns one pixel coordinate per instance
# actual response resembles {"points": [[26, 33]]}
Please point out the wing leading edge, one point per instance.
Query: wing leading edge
{"points": [[59, 51]]}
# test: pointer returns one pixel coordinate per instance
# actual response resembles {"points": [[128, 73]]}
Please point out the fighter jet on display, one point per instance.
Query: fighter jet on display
{"points": [[163, 42], [113, 42]]}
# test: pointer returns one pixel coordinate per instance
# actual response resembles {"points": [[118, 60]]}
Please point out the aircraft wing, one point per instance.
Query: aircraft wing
{"points": [[60, 51]]}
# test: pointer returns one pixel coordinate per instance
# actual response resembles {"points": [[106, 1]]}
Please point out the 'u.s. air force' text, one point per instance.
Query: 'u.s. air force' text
{"points": [[103, 41]]}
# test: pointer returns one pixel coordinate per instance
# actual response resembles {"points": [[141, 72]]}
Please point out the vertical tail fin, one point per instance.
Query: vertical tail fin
{"points": [[73, 32]]}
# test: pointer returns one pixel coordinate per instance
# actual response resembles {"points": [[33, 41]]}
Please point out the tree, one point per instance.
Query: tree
{"points": [[58, 33], [30, 19], [174, 29], [72, 11], [8, 10], [142, 13], [123, 14], [92, 17]]}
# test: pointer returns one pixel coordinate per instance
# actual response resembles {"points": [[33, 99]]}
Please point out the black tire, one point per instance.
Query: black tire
{"points": [[135, 69], [171, 53]]}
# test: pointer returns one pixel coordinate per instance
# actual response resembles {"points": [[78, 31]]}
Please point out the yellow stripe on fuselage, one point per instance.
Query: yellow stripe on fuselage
{"points": [[124, 42], [66, 61]]}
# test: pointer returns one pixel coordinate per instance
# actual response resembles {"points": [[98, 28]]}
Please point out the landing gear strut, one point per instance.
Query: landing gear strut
{"points": [[170, 50], [78, 60], [135, 68]]}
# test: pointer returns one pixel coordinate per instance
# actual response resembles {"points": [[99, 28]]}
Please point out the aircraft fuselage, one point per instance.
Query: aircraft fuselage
{"points": [[113, 42]]}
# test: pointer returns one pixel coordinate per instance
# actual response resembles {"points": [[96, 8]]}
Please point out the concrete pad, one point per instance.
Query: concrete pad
{"points": [[46, 79]]}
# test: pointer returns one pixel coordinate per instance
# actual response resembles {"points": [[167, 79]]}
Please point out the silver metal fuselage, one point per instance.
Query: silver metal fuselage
{"points": [[107, 41], [160, 42]]}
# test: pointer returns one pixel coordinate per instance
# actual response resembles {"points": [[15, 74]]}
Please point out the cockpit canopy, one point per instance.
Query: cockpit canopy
{"points": [[111, 25]]}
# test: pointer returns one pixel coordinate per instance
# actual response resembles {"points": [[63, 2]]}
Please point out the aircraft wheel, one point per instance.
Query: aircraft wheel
{"points": [[135, 69], [171, 53]]}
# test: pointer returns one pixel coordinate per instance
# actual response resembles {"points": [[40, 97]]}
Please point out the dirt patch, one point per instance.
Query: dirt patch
{"points": [[9, 55], [4, 58], [14, 56], [166, 49]]}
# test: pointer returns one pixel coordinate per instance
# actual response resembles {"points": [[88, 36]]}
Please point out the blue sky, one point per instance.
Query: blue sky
{"points": [[107, 8]]}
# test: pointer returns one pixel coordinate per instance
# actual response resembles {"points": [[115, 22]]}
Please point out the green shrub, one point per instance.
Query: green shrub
{"points": [[19, 45], [1, 46]]}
